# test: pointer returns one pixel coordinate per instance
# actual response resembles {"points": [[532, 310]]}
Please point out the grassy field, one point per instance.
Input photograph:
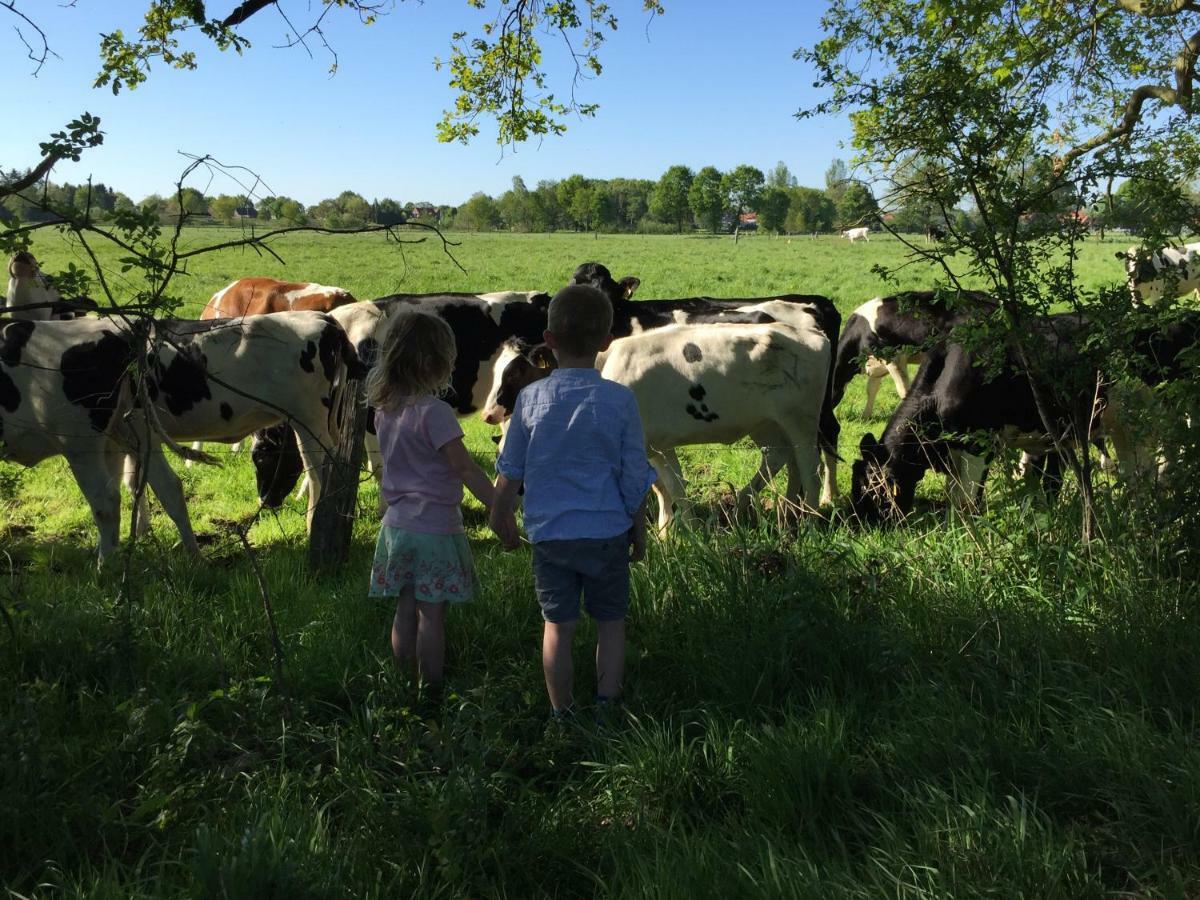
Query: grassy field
{"points": [[958, 708]]}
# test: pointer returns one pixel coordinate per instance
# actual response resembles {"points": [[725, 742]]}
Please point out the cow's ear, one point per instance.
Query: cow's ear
{"points": [[869, 447], [543, 357], [540, 301], [629, 284], [1121, 254]]}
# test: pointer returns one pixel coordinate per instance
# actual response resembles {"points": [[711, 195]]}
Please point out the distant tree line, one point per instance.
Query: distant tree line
{"points": [[679, 201]]}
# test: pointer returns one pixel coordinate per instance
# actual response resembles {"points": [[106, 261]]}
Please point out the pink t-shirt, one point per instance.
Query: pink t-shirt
{"points": [[422, 491]]}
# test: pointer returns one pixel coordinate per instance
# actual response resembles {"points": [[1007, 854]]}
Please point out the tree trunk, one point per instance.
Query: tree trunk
{"points": [[333, 518]]}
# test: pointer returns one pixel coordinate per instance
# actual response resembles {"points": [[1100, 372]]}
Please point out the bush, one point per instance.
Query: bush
{"points": [[650, 226]]}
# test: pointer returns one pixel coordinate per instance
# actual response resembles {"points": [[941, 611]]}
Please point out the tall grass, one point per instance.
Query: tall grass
{"points": [[974, 707]]}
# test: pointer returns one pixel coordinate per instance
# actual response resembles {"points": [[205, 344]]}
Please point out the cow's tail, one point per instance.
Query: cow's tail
{"points": [[342, 395], [187, 453]]}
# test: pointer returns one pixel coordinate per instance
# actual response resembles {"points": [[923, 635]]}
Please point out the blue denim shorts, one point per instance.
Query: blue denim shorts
{"points": [[594, 569]]}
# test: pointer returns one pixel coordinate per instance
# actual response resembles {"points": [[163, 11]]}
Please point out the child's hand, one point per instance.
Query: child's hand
{"points": [[505, 526], [637, 543]]}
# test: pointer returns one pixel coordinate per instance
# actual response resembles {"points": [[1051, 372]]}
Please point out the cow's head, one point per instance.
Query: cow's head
{"points": [[517, 367], [595, 275], [277, 464], [22, 264], [879, 489]]}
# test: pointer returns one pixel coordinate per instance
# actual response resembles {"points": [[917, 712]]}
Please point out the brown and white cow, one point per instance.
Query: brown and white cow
{"points": [[66, 389], [264, 296], [261, 296], [1161, 274]]}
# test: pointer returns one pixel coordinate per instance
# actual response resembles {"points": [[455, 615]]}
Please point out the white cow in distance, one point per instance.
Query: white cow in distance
{"points": [[855, 233]]}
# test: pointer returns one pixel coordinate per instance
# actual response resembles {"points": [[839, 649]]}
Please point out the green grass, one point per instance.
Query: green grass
{"points": [[954, 709]]}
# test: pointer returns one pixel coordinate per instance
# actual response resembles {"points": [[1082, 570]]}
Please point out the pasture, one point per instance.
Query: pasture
{"points": [[956, 708]]}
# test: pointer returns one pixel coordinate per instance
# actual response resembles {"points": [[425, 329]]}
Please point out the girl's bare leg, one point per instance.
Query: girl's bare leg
{"points": [[431, 641]]}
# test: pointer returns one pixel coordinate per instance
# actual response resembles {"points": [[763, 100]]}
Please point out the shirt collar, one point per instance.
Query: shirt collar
{"points": [[579, 374]]}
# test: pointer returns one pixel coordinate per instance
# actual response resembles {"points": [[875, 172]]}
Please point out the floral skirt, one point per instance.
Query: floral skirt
{"points": [[438, 567]]}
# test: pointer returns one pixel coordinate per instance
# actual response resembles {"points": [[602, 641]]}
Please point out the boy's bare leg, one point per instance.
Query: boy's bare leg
{"points": [[431, 641], [557, 665], [404, 629], [610, 658]]}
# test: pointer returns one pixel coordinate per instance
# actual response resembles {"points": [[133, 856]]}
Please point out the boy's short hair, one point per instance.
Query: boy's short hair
{"points": [[580, 318]]}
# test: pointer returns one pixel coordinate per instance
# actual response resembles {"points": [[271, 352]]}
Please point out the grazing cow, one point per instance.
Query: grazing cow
{"points": [[222, 379], [65, 388], [854, 234], [258, 296], [32, 296], [1161, 274], [951, 414], [881, 330], [797, 310], [692, 383]]}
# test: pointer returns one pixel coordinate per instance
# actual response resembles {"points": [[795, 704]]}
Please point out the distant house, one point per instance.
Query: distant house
{"points": [[748, 221], [425, 212], [245, 211]]}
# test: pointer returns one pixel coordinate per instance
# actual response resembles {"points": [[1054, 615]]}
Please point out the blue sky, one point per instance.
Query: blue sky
{"points": [[709, 83]]}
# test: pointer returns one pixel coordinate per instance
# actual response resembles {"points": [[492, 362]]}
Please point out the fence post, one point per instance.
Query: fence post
{"points": [[333, 518]]}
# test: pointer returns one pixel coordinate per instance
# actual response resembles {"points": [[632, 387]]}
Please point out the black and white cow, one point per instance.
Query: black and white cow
{"points": [[692, 383], [956, 409], [889, 334], [801, 311], [934, 233], [222, 379], [65, 388], [1161, 274], [481, 324]]}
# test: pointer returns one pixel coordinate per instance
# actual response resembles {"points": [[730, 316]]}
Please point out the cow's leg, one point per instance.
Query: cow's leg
{"points": [[897, 367], [314, 450], [197, 446], [169, 490], [669, 486], [965, 481], [829, 489], [131, 476], [873, 383], [97, 472], [235, 447], [803, 484]]}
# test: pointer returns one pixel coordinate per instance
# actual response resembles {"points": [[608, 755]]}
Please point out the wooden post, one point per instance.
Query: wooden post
{"points": [[333, 518]]}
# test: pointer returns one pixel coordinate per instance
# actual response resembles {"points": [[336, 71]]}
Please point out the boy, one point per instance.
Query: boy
{"points": [[575, 441]]}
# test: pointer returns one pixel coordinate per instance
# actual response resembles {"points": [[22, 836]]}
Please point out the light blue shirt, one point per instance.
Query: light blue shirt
{"points": [[575, 439]]}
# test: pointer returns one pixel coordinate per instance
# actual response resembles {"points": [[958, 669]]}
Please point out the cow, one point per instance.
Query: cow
{"points": [[1161, 274], [934, 233], [692, 382], [883, 330], [855, 234], [32, 296], [258, 296], [956, 408], [66, 389], [798, 310], [223, 379], [481, 324]]}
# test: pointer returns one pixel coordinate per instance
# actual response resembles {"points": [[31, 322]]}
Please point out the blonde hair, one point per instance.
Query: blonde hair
{"points": [[417, 357], [580, 318]]}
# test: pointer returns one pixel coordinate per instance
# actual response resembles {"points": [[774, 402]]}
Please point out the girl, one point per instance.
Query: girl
{"points": [[421, 557]]}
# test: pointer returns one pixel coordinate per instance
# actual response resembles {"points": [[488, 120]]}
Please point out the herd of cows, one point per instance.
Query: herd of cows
{"points": [[274, 359]]}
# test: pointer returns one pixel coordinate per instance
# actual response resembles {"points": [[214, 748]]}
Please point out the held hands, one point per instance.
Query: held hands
{"points": [[505, 526]]}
